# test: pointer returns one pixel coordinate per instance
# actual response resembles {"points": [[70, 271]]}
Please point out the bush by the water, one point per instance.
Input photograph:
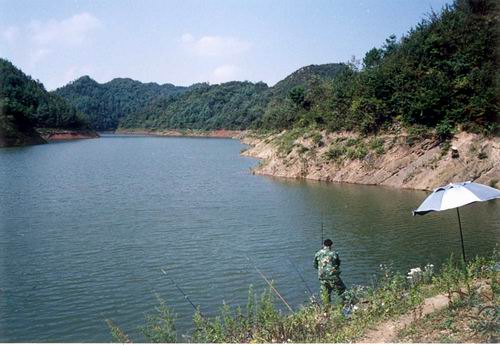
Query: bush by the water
{"points": [[391, 295]]}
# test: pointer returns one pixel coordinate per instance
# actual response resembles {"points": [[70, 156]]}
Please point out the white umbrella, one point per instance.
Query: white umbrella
{"points": [[455, 195]]}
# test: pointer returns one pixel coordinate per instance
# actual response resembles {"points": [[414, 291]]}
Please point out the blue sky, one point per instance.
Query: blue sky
{"points": [[184, 42]]}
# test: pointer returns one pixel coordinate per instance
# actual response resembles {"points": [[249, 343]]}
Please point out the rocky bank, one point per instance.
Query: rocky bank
{"points": [[396, 160]]}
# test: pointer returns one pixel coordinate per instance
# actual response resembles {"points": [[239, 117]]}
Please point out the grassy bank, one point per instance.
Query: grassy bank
{"points": [[473, 290]]}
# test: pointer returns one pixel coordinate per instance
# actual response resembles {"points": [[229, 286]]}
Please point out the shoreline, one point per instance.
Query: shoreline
{"points": [[422, 164], [57, 135], [219, 133]]}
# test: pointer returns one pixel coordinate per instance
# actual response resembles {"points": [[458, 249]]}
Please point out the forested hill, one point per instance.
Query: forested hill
{"points": [[442, 76], [105, 104], [306, 77], [26, 105], [232, 105]]}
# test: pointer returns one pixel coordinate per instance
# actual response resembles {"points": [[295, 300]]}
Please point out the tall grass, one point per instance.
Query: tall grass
{"points": [[391, 295]]}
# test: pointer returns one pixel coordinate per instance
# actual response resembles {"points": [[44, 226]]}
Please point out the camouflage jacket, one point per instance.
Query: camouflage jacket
{"points": [[327, 262]]}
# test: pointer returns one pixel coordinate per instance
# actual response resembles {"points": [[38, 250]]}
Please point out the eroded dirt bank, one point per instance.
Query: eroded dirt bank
{"points": [[392, 160]]}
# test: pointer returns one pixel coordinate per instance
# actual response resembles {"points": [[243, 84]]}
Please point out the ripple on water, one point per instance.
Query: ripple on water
{"points": [[87, 226]]}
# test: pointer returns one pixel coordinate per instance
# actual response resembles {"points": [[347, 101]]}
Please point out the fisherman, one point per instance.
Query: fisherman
{"points": [[327, 262]]}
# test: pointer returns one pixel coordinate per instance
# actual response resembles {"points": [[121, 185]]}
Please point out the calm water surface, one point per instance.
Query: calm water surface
{"points": [[86, 227]]}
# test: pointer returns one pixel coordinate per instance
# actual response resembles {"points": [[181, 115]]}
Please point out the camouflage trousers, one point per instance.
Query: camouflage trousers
{"points": [[327, 286]]}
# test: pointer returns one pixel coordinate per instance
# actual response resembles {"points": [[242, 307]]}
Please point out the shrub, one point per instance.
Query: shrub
{"points": [[445, 147], [160, 327], [317, 139], [377, 144], [344, 321], [335, 152], [117, 333], [286, 141], [352, 142], [416, 133], [445, 130], [357, 152]]}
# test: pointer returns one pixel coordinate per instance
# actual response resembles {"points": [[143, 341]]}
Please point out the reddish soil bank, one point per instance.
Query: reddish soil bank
{"points": [[69, 135]]}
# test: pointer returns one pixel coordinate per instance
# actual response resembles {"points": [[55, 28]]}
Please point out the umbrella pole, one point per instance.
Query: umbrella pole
{"points": [[461, 235]]}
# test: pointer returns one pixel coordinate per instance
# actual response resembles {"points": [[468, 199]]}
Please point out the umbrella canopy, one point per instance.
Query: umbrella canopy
{"points": [[455, 195]]}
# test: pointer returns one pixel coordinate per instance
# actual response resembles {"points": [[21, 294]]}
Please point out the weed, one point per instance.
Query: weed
{"points": [[160, 327], [286, 141], [377, 145], [357, 152], [302, 149], [487, 323], [417, 133], [445, 147], [317, 139], [335, 152], [117, 334], [352, 142], [346, 320]]}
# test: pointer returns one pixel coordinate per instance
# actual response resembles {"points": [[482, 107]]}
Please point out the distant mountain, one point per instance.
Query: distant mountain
{"points": [[105, 104], [25, 105], [440, 78], [232, 105]]}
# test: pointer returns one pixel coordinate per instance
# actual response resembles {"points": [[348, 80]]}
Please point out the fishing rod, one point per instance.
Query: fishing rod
{"points": [[270, 285], [322, 230], [182, 292], [303, 280]]}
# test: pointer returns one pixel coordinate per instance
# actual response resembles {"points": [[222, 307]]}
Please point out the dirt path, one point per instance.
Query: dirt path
{"points": [[387, 331]]}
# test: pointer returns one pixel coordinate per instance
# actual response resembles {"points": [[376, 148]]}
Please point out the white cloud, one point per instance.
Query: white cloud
{"points": [[225, 73], [10, 34], [71, 31], [40, 40], [209, 46]]}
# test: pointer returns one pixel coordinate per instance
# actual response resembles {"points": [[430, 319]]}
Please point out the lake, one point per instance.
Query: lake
{"points": [[86, 227]]}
